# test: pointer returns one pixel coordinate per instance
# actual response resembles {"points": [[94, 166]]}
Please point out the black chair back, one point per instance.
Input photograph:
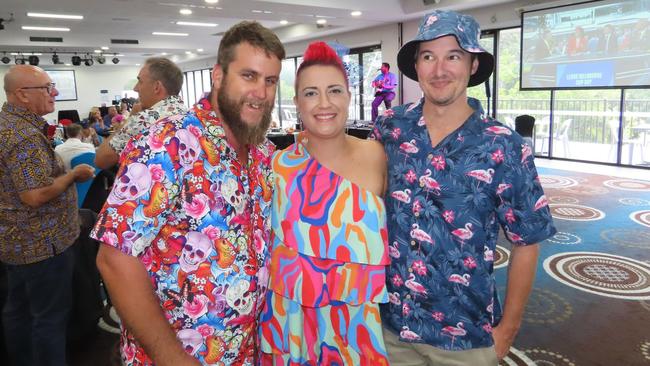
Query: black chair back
{"points": [[524, 125]]}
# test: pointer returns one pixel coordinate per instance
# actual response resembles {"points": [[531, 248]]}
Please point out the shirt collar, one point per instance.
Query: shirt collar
{"points": [[168, 100], [23, 113]]}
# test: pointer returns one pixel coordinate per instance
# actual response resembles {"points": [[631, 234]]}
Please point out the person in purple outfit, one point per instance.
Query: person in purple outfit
{"points": [[384, 85]]}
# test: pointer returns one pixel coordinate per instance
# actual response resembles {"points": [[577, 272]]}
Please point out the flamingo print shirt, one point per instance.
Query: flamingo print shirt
{"points": [[445, 205]]}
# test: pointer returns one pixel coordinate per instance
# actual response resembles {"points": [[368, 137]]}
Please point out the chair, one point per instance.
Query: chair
{"points": [[524, 125], [562, 134], [70, 114], [613, 129], [82, 187]]}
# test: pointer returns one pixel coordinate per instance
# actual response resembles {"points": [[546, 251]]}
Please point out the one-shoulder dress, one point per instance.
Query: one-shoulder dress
{"points": [[327, 268]]}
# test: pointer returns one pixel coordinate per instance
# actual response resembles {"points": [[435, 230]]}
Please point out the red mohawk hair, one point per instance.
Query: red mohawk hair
{"points": [[319, 53]]}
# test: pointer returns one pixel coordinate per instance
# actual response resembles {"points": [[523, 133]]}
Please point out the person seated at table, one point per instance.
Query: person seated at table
{"points": [[73, 146], [328, 224], [96, 121]]}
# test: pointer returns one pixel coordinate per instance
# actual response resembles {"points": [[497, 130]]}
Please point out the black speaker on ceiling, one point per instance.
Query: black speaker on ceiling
{"points": [[34, 60], [6, 60], [76, 60], [55, 59]]}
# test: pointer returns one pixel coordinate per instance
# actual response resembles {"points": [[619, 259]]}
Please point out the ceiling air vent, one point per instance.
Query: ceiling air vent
{"points": [[45, 39], [124, 41]]}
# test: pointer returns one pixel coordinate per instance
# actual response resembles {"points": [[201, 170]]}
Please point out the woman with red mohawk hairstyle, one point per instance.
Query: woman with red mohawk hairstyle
{"points": [[329, 255]]}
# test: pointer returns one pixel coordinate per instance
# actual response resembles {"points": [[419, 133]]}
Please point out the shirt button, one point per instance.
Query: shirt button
{"points": [[417, 214], [408, 297], [413, 243], [430, 156]]}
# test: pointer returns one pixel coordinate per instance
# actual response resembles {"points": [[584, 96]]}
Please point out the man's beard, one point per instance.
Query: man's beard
{"points": [[231, 116]]}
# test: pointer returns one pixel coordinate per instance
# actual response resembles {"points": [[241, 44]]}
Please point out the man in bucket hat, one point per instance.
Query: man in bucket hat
{"points": [[455, 176]]}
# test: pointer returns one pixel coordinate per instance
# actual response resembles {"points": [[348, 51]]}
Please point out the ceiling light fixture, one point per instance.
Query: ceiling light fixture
{"points": [[321, 21], [211, 1], [115, 60], [170, 34], [188, 52], [97, 51], [19, 61], [55, 16], [197, 24], [284, 22], [5, 59], [164, 53], [101, 59], [49, 29], [199, 50], [185, 11], [104, 48], [355, 13], [76, 60], [88, 61], [55, 58], [34, 60]]}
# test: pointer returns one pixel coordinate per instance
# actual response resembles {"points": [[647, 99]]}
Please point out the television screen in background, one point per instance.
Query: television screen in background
{"points": [[589, 45]]}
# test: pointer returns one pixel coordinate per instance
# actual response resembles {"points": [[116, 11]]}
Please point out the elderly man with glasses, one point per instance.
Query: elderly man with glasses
{"points": [[38, 221]]}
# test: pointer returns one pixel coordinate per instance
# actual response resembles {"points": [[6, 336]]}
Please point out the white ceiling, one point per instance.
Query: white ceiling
{"points": [[137, 19]]}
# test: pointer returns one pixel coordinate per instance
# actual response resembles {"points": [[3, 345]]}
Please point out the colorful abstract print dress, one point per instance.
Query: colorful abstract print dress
{"points": [[327, 270]]}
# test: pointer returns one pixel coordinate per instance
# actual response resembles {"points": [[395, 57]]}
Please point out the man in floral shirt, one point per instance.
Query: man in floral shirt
{"points": [[159, 82], [186, 227], [455, 177]]}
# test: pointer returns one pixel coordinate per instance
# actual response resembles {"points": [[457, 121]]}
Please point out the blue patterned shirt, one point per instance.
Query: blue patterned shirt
{"points": [[445, 205]]}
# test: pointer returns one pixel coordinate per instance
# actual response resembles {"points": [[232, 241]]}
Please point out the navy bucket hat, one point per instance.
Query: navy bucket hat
{"points": [[442, 23]]}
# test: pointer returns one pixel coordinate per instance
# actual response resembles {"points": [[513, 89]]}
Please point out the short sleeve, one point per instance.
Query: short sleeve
{"points": [[30, 166], [145, 189], [523, 213]]}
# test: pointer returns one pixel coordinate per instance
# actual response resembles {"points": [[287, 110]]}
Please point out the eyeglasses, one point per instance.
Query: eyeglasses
{"points": [[50, 87]]}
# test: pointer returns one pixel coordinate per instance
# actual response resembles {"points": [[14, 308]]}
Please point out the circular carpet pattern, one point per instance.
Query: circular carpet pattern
{"points": [[562, 199], [601, 274], [634, 201], [565, 238], [587, 190], [632, 238], [567, 211], [516, 358], [501, 257], [556, 181], [542, 357], [546, 307], [627, 184], [641, 217], [645, 350]]}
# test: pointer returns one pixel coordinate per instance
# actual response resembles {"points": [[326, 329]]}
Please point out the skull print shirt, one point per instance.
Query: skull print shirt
{"points": [[445, 206], [198, 220]]}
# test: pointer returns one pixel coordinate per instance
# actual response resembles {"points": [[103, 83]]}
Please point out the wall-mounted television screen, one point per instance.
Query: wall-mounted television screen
{"points": [[596, 44]]}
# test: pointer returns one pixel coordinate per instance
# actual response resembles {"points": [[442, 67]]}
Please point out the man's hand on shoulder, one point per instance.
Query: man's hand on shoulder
{"points": [[83, 172]]}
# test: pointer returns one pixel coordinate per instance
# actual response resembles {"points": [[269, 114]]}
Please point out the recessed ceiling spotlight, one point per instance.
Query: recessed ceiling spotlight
{"points": [[256, 11], [321, 21], [211, 1], [185, 11], [68, 64], [164, 53], [97, 51], [137, 64], [55, 16], [170, 34], [199, 50], [355, 13], [197, 24], [268, 12], [284, 22], [104, 48], [50, 29]]}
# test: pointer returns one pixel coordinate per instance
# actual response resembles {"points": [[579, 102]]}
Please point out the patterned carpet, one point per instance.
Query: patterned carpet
{"points": [[591, 301]]}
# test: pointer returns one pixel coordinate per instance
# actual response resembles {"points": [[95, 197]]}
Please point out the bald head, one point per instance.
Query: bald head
{"points": [[22, 75], [27, 86]]}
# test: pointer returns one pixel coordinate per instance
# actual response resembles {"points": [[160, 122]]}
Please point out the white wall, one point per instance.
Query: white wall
{"points": [[90, 80]]}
